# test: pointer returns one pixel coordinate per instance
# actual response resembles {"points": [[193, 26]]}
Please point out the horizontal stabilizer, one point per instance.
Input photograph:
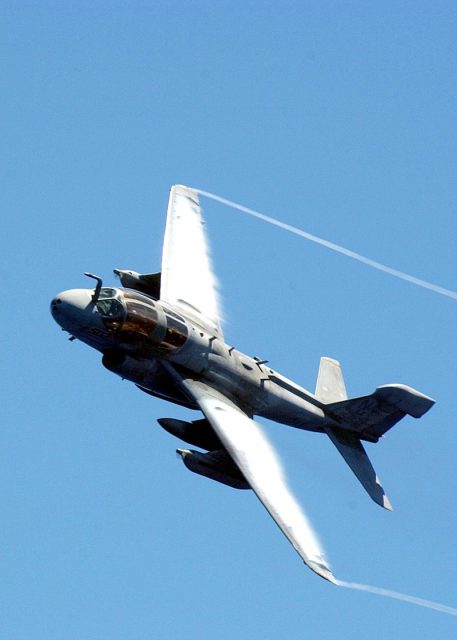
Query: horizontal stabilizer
{"points": [[407, 399], [369, 417], [355, 455]]}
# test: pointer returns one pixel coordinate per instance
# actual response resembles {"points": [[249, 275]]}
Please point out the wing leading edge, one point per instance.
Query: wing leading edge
{"points": [[188, 280], [248, 446]]}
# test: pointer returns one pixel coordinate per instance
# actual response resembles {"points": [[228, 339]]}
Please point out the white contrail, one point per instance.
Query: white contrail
{"points": [[334, 247], [429, 604], [421, 602]]}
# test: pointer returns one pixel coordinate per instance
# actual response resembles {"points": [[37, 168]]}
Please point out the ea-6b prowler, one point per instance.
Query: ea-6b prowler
{"points": [[163, 332]]}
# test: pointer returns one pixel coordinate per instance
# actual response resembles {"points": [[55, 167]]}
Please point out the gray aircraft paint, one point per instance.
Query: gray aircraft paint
{"points": [[174, 347]]}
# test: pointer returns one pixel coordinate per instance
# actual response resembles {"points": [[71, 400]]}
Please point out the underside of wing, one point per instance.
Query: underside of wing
{"points": [[188, 281], [255, 457]]}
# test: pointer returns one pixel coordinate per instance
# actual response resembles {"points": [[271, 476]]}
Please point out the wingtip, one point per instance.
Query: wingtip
{"points": [[380, 497], [383, 501], [386, 504], [323, 571], [187, 191]]}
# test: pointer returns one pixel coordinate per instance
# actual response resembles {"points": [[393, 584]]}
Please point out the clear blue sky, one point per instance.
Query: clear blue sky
{"points": [[339, 118]]}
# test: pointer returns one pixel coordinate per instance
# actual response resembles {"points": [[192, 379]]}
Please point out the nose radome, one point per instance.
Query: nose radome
{"points": [[73, 309]]}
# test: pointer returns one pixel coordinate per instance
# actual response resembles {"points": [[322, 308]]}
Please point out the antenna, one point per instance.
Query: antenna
{"points": [[98, 286]]}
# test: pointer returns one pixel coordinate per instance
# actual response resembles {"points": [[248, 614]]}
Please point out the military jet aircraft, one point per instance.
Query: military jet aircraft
{"points": [[163, 332]]}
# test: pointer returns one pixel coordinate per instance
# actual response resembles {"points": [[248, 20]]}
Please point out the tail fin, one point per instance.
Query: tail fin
{"points": [[330, 384], [365, 418]]}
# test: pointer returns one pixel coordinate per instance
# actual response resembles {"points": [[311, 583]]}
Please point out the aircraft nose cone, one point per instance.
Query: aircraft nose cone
{"points": [[72, 309]]}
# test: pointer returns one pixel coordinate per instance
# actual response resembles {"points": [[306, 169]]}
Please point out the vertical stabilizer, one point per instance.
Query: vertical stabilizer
{"points": [[330, 385]]}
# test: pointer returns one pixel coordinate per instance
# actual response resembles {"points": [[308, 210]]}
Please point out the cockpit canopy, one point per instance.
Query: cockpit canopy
{"points": [[107, 292], [137, 319], [110, 307]]}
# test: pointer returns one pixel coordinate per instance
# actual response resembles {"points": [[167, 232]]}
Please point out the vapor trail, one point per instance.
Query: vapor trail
{"points": [[421, 602], [436, 606], [334, 247]]}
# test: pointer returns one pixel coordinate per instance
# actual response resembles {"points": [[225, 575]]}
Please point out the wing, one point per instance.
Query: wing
{"points": [[248, 446], [188, 281]]}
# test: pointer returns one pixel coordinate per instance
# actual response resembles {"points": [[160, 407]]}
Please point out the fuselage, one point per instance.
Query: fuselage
{"points": [[143, 339]]}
